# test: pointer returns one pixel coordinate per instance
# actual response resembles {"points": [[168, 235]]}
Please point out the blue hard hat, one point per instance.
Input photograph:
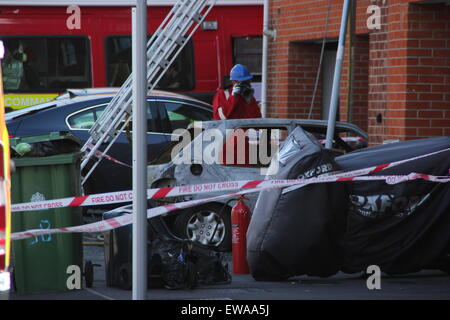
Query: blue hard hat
{"points": [[240, 73]]}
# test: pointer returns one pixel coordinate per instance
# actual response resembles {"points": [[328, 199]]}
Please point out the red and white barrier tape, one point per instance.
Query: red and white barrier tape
{"points": [[347, 139], [124, 220], [353, 139], [158, 193], [104, 155], [374, 169]]}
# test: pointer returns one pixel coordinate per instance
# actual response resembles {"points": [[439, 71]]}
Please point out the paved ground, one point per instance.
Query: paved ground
{"points": [[433, 285]]}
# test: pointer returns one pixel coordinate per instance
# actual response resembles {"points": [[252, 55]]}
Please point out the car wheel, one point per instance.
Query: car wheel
{"points": [[207, 225], [89, 273], [125, 277]]}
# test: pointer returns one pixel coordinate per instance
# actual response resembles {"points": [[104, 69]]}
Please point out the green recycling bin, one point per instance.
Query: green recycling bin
{"points": [[41, 264]]}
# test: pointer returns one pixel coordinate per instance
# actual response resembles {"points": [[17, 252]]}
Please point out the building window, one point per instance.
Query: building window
{"points": [[248, 51], [45, 63], [180, 75]]}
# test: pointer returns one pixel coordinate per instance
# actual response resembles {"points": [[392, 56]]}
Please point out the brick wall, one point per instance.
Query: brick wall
{"points": [[401, 79], [294, 59], [378, 88], [357, 112], [291, 95], [428, 73], [416, 68]]}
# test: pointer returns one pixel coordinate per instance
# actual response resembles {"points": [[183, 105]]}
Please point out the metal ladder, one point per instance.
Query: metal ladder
{"points": [[162, 49]]}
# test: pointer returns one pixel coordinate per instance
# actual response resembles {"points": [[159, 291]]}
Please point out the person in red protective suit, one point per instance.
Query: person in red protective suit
{"points": [[236, 102]]}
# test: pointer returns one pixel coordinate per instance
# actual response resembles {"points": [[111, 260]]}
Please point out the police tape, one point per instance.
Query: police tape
{"points": [[158, 193], [113, 223], [353, 139], [107, 157], [347, 139], [177, 191]]}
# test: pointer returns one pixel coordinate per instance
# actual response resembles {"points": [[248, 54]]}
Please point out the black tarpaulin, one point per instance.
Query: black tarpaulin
{"points": [[405, 227], [321, 229], [297, 231]]}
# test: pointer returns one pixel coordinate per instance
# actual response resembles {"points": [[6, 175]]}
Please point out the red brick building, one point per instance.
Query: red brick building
{"points": [[400, 84]]}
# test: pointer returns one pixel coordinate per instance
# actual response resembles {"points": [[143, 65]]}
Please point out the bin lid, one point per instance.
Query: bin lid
{"points": [[59, 159], [43, 145], [52, 136]]}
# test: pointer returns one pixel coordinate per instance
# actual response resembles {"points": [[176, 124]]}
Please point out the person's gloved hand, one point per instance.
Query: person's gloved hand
{"points": [[243, 89], [237, 89]]}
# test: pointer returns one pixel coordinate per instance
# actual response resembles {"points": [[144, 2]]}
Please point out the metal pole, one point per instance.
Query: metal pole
{"points": [[337, 77], [265, 59], [351, 60], [139, 60]]}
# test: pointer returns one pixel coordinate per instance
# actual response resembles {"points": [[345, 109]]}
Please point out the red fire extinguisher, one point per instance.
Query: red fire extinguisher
{"points": [[240, 219]]}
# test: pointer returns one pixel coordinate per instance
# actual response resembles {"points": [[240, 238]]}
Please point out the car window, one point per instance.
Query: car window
{"points": [[86, 118], [153, 123], [182, 115], [343, 142], [251, 147]]}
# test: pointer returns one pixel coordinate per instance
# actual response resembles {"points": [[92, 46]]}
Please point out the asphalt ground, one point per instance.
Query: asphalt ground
{"points": [[425, 285]]}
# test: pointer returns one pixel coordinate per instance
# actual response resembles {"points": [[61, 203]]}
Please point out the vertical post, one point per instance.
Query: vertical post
{"points": [[139, 40], [337, 77], [351, 59], [265, 58]]}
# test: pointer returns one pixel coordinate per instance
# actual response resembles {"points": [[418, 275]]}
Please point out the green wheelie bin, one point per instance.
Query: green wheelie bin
{"points": [[49, 169]]}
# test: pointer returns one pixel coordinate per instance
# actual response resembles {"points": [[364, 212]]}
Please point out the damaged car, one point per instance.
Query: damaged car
{"points": [[202, 155]]}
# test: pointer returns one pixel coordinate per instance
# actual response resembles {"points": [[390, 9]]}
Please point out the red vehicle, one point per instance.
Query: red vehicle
{"points": [[48, 53]]}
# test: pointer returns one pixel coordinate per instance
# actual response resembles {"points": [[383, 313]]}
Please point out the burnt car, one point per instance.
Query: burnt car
{"points": [[190, 163]]}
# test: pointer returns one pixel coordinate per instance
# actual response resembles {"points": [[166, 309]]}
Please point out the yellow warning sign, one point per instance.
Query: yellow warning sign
{"points": [[22, 100]]}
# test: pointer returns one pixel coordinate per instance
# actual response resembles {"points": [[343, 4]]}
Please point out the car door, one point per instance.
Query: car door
{"points": [[109, 175], [234, 168], [251, 160]]}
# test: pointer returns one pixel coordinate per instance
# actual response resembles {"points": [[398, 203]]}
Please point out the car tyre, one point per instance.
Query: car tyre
{"points": [[125, 277], [199, 223], [89, 273]]}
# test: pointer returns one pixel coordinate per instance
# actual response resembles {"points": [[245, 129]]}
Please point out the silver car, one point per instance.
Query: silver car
{"points": [[187, 164]]}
